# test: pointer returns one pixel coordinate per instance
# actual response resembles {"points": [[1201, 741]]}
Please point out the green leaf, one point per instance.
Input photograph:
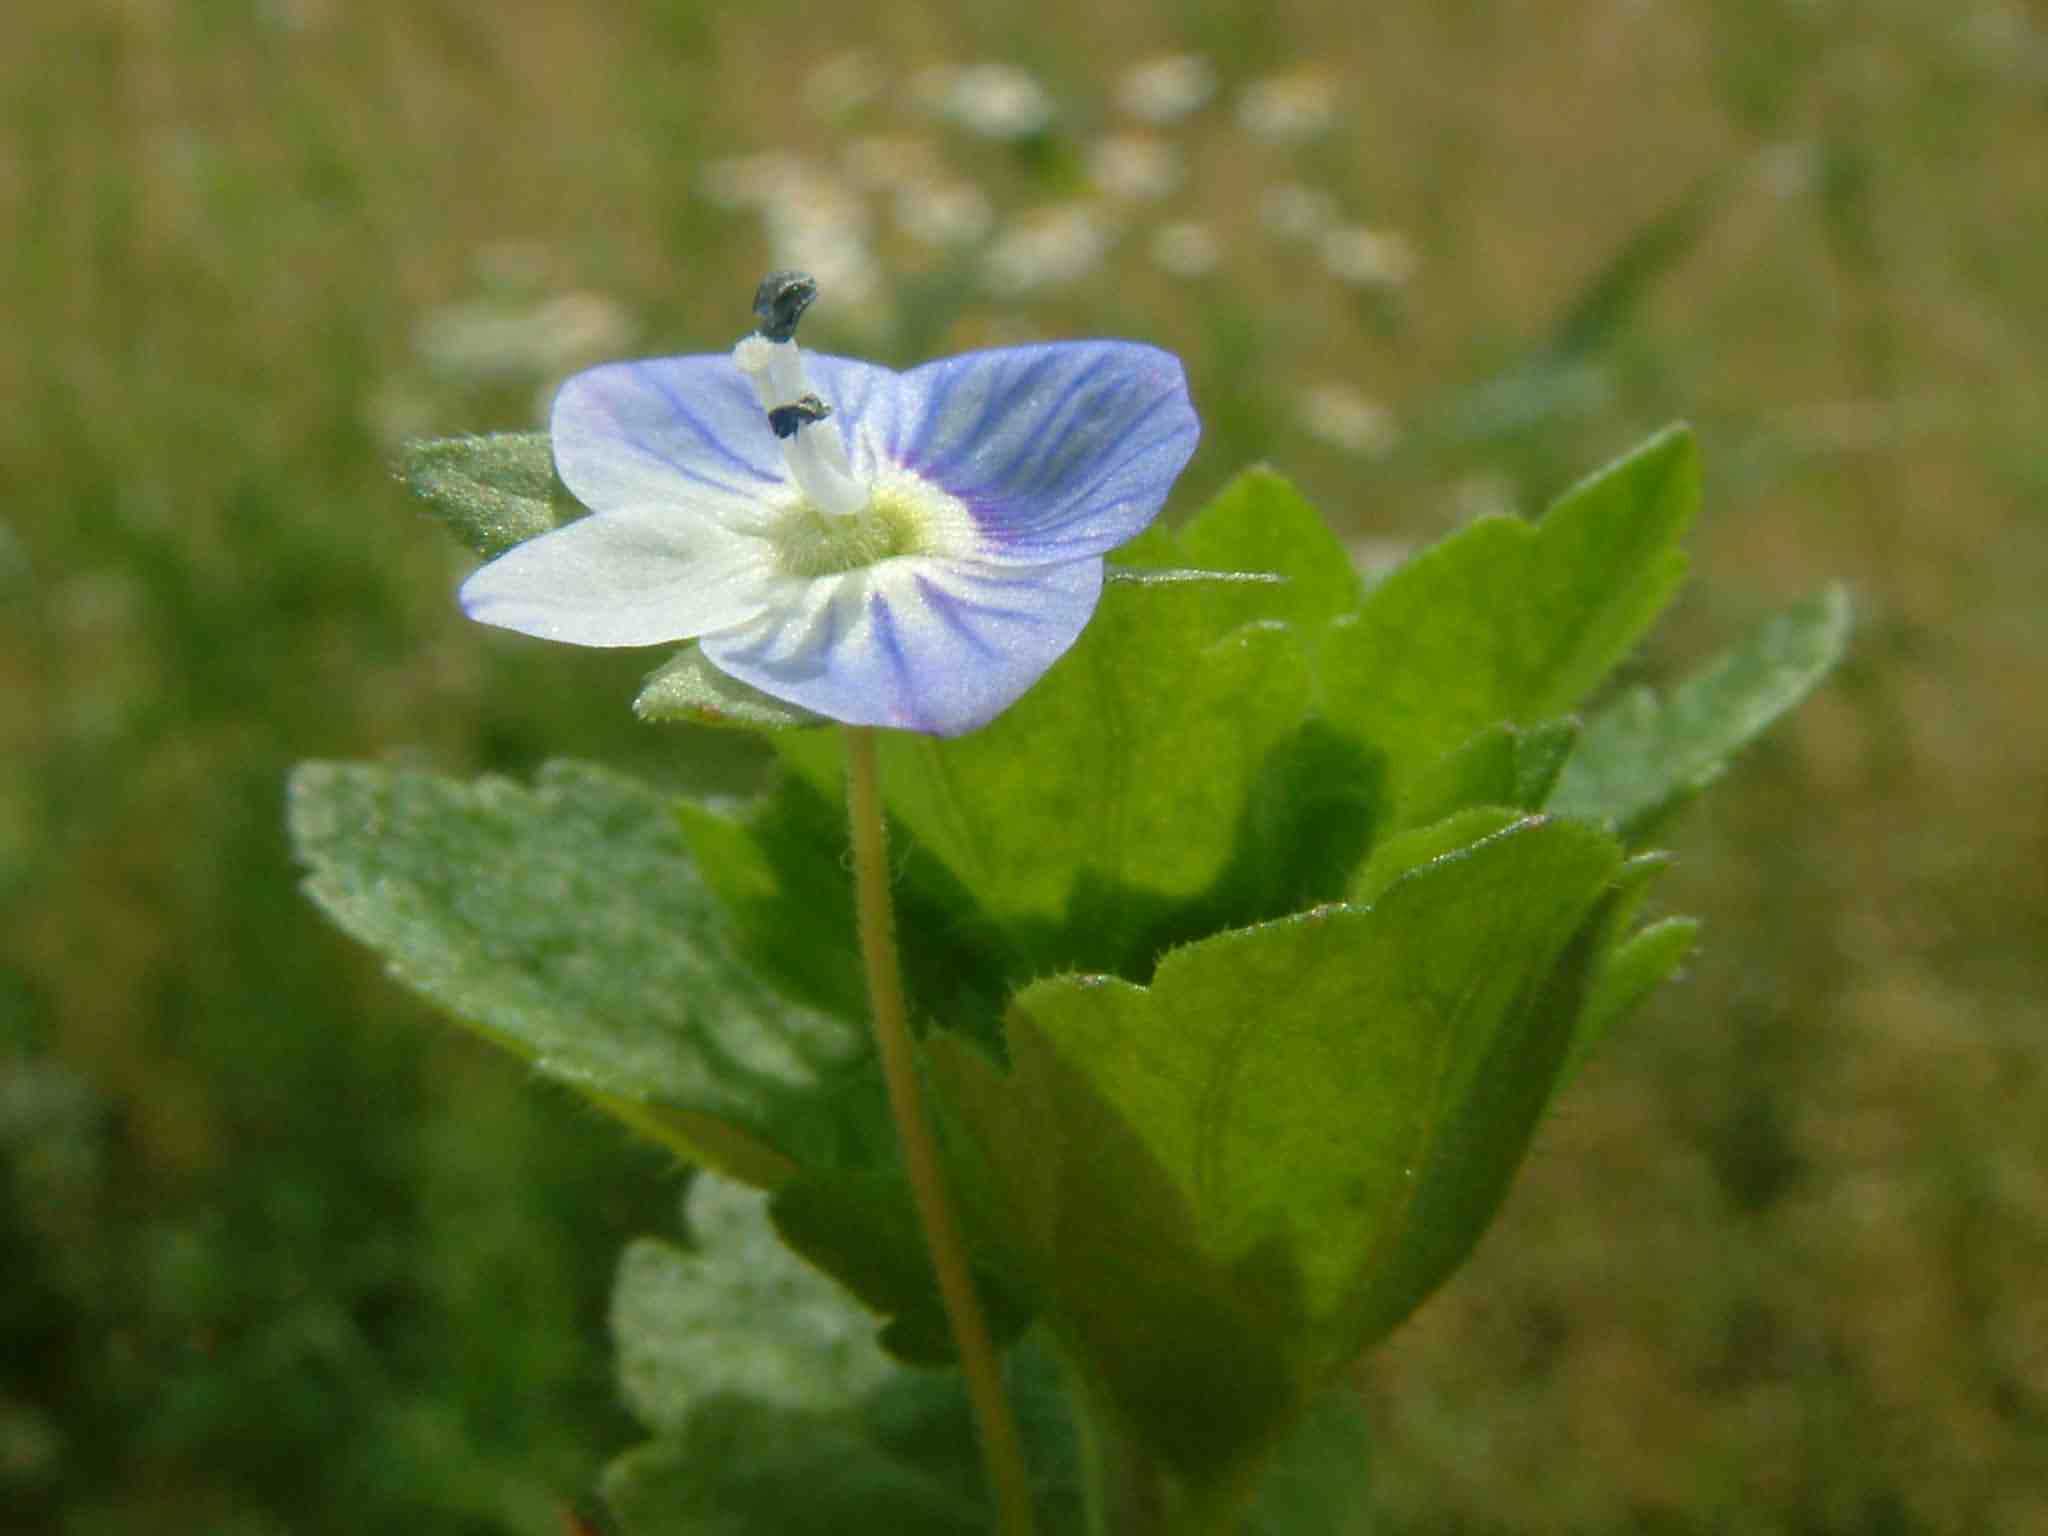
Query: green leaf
{"points": [[1487, 1108], [775, 1408], [737, 1314], [1499, 766], [1222, 1186], [779, 867], [687, 688], [1644, 757], [743, 1467], [1131, 762], [1260, 522], [1417, 846], [1506, 622], [861, 1228], [1631, 971], [1318, 1482], [491, 492], [567, 924]]}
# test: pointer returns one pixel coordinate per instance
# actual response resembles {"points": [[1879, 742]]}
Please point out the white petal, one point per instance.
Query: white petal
{"points": [[923, 644], [633, 576]]}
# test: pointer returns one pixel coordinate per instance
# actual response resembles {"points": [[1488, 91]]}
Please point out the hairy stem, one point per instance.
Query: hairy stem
{"points": [[1002, 1453]]}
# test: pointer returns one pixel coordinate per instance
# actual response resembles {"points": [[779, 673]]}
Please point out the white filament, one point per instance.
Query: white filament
{"points": [[815, 452]]}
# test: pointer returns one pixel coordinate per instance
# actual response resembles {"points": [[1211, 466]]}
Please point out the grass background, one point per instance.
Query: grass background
{"points": [[283, 1253]]}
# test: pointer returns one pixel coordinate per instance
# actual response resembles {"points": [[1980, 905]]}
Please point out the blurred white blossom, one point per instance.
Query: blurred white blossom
{"points": [[1166, 89], [1369, 258], [946, 211], [990, 100], [1287, 109], [1048, 248], [491, 341], [887, 162], [843, 83], [1787, 169], [748, 181], [1186, 249], [810, 216], [1335, 413], [1488, 493], [1293, 210], [1134, 168], [826, 235]]}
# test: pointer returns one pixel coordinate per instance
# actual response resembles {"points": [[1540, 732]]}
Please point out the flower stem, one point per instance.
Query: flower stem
{"points": [[1002, 1453]]}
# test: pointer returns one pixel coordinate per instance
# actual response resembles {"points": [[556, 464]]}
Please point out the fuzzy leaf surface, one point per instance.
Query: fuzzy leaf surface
{"points": [[567, 923], [688, 689], [491, 492], [731, 1346], [734, 1314], [1645, 756]]}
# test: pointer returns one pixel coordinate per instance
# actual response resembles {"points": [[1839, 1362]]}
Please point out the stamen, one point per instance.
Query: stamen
{"points": [[811, 445], [781, 300], [787, 420]]}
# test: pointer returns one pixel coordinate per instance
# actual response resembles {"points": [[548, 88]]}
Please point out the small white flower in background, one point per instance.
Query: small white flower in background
{"points": [[1165, 90], [943, 212], [1369, 258], [1186, 249], [1339, 415], [1486, 494], [910, 550], [1287, 109], [811, 218], [574, 328], [991, 101], [812, 221], [496, 341], [843, 83], [1134, 169], [748, 181], [1787, 169], [1047, 249], [885, 161], [1294, 210]]}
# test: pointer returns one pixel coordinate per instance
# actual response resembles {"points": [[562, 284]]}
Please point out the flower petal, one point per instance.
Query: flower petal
{"points": [[631, 576], [1060, 451], [939, 646], [668, 428]]}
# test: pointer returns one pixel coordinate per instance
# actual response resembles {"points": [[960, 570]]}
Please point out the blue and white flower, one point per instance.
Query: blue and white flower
{"points": [[910, 550]]}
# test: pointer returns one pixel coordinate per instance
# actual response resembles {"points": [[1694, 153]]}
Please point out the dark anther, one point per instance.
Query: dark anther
{"points": [[781, 300], [786, 419]]}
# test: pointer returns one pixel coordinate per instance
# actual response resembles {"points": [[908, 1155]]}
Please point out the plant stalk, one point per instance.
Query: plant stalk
{"points": [[1002, 1452]]}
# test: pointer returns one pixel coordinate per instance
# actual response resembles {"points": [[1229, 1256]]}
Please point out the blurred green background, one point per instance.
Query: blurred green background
{"points": [[281, 1252]]}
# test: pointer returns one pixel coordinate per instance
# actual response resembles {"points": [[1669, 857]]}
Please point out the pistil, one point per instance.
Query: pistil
{"points": [[800, 417]]}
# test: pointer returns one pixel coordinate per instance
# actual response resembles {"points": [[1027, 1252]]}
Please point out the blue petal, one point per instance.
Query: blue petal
{"points": [[931, 645], [1060, 451], [640, 433]]}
